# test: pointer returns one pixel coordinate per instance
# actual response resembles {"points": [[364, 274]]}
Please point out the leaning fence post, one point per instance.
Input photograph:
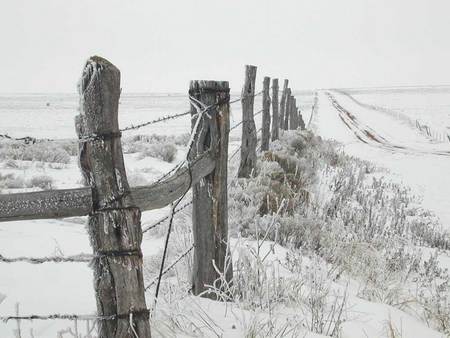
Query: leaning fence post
{"points": [[265, 138], [283, 103], [275, 117], [115, 224], [249, 139], [287, 109], [210, 197]]}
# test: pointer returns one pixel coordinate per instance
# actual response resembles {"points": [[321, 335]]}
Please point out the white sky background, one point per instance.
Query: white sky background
{"points": [[161, 45]]}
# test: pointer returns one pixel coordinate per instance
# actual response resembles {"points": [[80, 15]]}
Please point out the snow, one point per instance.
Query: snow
{"points": [[67, 288], [418, 165]]}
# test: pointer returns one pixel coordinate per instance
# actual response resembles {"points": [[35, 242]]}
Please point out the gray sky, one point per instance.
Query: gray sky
{"points": [[161, 45]]}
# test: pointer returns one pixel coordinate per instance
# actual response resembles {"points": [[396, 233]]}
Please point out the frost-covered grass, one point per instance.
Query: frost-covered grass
{"points": [[51, 152], [342, 210], [157, 146]]}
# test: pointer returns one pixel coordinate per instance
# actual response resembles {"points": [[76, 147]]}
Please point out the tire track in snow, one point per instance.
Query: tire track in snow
{"points": [[369, 136]]}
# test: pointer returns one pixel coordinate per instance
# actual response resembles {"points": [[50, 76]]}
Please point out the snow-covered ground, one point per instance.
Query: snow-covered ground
{"points": [[391, 143], [67, 288]]}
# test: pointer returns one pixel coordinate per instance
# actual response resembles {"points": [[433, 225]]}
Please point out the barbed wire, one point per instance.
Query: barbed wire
{"points": [[201, 109], [96, 137], [158, 120], [65, 316], [238, 124], [80, 258], [245, 96], [170, 267], [154, 225], [25, 139]]}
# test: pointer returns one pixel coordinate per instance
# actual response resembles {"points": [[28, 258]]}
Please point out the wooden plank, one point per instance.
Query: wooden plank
{"points": [[210, 198], [265, 138], [78, 202], [249, 138], [275, 116]]}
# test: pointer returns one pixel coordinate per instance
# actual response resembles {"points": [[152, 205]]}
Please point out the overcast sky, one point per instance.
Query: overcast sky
{"points": [[161, 45]]}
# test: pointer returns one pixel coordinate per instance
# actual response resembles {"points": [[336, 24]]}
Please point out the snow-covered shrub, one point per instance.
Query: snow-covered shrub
{"points": [[341, 209], [11, 181], [51, 152], [162, 147], [164, 151], [44, 182]]}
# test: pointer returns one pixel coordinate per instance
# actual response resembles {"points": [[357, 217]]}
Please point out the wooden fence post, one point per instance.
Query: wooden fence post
{"points": [[265, 138], [283, 103], [292, 115], [115, 224], [275, 117], [301, 122], [287, 110], [210, 197], [249, 138]]}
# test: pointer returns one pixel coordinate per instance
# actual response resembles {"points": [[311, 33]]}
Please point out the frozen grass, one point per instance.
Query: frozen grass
{"points": [[340, 209], [51, 152], [162, 147], [11, 181]]}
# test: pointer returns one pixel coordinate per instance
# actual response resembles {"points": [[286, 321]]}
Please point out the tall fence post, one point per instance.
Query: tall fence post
{"points": [[292, 115], [287, 110], [210, 197], [265, 138], [249, 138], [283, 103], [275, 116], [115, 224]]}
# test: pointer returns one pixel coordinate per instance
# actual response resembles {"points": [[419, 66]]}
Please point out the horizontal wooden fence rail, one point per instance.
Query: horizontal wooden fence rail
{"points": [[78, 202], [111, 204]]}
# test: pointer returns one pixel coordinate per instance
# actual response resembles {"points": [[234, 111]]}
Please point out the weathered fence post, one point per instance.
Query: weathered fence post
{"points": [[283, 103], [249, 138], [301, 122], [275, 117], [293, 114], [287, 109], [115, 224], [210, 197], [265, 138]]}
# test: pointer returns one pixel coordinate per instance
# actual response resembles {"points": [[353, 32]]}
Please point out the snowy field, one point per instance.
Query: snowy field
{"points": [[407, 155], [410, 156]]}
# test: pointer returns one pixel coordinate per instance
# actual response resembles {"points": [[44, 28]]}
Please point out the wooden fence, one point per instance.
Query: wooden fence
{"points": [[114, 209]]}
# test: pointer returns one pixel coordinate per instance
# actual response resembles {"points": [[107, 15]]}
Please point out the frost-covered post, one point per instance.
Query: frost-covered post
{"points": [[283, 103], [265, 138], [293, 121], [287, 109], [249, 139], [115, 224], [210, 196], [275, 117], [301, 122]]}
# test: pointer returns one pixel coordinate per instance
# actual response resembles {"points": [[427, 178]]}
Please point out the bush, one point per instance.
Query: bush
{"points": [[339, 208], [10, 181], [42, 181], [51, 152], [157, 146]]}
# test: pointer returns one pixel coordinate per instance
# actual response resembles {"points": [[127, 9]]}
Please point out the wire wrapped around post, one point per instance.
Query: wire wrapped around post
{"points": [[210, 197]]}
